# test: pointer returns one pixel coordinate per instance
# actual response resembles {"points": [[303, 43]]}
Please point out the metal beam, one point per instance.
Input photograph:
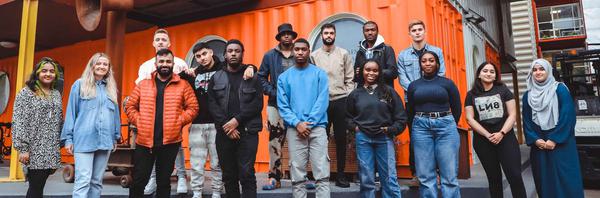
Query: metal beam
{"points": [[115, 43], [25, 67], [66, 2], [201, 3], [222, 9], [154, 5], [145, 17]]}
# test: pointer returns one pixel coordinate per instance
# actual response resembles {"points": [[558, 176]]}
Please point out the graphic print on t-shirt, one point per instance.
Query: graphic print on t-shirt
{"points": [[489, 107], [201, 82]]}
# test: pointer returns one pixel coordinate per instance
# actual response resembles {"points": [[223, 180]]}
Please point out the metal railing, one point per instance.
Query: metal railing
{"points": [[568, 27]]}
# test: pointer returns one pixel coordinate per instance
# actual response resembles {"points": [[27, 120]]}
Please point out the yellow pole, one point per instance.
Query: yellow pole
{"points": [[25, 67]]}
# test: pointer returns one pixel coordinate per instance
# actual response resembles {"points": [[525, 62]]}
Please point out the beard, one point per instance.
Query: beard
{"points": [[301, 61], [284, 44], [164, 73], [236, 64], [328, 43]]}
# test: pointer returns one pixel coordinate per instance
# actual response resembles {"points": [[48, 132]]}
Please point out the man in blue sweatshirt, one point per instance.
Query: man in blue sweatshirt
{"points": [[302, 100]]}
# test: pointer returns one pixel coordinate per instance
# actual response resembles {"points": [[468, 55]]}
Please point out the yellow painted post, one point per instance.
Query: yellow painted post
{"points": [[25, 67]]}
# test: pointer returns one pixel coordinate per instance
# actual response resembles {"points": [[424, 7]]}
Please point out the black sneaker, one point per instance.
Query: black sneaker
{"points": [[342, 182]]}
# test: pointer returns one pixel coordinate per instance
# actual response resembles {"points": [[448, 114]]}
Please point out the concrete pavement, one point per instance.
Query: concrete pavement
{"points": [[476, 186]]}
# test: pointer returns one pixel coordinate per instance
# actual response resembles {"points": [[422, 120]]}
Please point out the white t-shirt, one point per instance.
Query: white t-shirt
{"points": [[148, 67]]}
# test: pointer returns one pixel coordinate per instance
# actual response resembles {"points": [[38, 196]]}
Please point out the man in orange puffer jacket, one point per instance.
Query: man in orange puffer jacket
{"points": [[159, 107]]}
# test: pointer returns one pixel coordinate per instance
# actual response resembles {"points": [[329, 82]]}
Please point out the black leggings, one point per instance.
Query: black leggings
{"points": [[37, 180], [505, 155], [336, 114]]}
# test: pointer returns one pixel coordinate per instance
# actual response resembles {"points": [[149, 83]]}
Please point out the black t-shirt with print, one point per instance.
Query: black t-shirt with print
{"points": [[200, 85], [490, 107]]}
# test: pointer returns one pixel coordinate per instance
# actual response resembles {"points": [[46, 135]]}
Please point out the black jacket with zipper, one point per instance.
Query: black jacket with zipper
{"points": [[250, 96], [384, 54]]}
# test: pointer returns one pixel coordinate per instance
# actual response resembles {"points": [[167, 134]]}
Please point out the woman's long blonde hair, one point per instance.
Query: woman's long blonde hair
{"points": [[88, 81]]}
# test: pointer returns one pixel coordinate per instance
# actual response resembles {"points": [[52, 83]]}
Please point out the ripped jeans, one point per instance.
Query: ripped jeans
{"points": [[277, 133]]}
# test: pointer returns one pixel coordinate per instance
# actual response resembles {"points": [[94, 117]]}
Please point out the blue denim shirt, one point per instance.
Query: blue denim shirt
{"points": [[409, 68], [91, 124]]}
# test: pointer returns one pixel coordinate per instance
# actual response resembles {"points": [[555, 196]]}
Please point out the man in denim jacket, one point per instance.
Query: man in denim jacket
{"points": [[409, 69]]}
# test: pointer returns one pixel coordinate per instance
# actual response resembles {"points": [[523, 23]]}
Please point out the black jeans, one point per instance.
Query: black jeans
{"points": [[163, 157], [236, 158], [336, 114], [505, 155], [37, 180]]}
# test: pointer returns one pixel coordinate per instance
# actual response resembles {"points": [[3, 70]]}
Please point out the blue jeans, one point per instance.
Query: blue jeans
{"points": [[380, 149], [436, 142], [89, 170]]}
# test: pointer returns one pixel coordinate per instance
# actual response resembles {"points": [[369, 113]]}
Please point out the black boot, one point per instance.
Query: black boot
{"points": [[341, 181]]}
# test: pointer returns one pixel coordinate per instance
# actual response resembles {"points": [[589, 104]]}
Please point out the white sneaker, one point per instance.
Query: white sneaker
{"points": [[182, 186], [197, 194], [150, 187]]}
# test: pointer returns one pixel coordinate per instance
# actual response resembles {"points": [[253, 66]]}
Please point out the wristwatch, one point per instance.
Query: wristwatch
{"points": [[503, 133]]}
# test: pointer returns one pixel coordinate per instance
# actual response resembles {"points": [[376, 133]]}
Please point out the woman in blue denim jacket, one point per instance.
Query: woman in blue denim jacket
{"points": [[376, 113], [92, 125]]}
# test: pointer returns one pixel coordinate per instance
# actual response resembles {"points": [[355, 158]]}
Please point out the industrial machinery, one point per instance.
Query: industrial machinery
{"points": [[583, 82]]}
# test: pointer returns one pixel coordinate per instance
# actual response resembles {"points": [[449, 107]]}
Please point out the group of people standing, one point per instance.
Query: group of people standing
{"points": [[308, 94]]}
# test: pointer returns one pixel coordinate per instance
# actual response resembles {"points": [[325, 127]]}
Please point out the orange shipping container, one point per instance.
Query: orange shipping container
{"points": [[257, 29]]}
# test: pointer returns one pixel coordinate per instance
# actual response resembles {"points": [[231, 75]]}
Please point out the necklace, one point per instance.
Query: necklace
{"points": [[370, 89]]}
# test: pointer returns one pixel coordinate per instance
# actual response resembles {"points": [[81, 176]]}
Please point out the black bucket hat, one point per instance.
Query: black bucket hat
{"points": [[286, 27]]}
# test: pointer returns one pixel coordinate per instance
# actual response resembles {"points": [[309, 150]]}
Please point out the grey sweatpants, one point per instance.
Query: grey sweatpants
{"points": [[202, 145], [302, 150]]}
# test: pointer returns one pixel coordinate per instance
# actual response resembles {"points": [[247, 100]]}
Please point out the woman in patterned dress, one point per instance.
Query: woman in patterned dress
{"points": [[36, 125]]}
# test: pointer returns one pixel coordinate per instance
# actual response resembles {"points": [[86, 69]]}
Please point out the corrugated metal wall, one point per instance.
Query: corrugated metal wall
{"points": [[474, 51], [256, 29], [487, 9], [525, 41]]}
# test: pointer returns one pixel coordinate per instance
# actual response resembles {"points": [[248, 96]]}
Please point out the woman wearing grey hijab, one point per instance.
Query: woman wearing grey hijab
{"points": [[549, 123]]}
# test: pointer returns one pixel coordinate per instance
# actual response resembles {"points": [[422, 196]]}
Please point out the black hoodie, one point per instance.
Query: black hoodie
{"points": [[384, 54], [200, 85]]}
